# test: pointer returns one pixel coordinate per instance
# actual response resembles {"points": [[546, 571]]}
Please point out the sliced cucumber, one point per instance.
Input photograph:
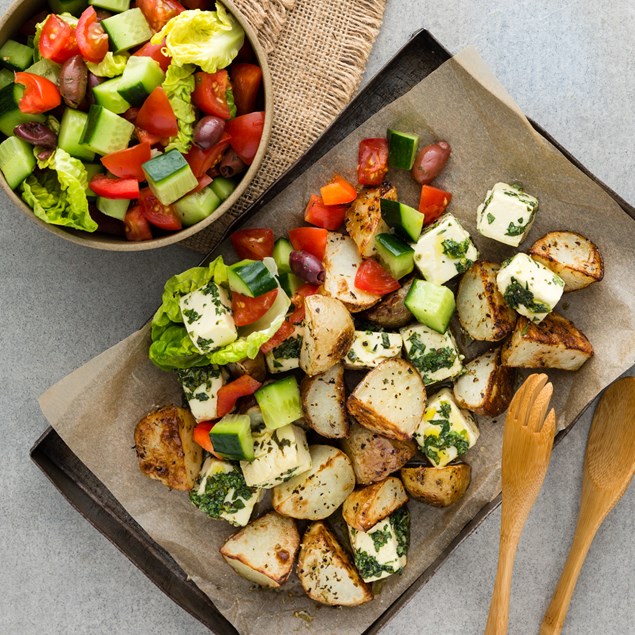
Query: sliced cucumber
{"points": [[16, 56], [116, 6], [281, 253], [250, 278], [280, 402], [193, 208], [106, 132], [6, 77], [231, 438], [169, 176], [91, 170], [113, 207], [397, 256], [290, 283], [140, 77], [17, 160], [405, 220], [107, 95], [71, 131], [402, 149], [223, 187], [432, 304], [46, 68], [127, 30], [10, 114]]}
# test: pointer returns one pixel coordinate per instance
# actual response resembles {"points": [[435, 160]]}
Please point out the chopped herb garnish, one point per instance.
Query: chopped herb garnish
{"points": [[429, 361], [515, 230], [288, 349], [400, 521], [380, 537], [490, 218], [516, 295], [192, 315], [446, 437], [217, 486], [385, 340], [369, 567]]}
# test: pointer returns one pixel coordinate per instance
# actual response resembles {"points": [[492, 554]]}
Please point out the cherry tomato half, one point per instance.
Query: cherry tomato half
{"points": [[311, 239], [247, 310], [372, 277], [92, 40], [372, 162], [155, 51], [246, 132], [326, 216], [137, 227], [210, 93], [40, 94], [433, 203], [285, 331], [203, 160], [230, 393], [156, 115], [158, 214], [126, 164], [254, 244], [57, 40], [159, 12], [246, 80]]}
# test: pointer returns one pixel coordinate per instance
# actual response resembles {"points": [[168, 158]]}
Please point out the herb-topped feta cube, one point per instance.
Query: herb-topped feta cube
{"points": [[370, 348], [446, 432], [286, 356], [507, 214], [529, 287], [201, 386], [435, 355], [444, 250], [208, 317]]}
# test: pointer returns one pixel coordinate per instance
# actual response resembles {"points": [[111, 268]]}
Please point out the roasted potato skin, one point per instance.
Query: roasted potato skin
{"points": [[165, 449], [439, 487], [367, 506], [329, 420], [391, 312], [255, 368]]}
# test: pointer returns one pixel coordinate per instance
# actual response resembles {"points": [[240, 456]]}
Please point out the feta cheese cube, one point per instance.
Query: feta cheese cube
{"points": [[435, 355], [444, 250], [529, 287], [369, 349], [201, 386], [286, 356], [208, 317], [279, 455], [507, 214], [446, 432]]}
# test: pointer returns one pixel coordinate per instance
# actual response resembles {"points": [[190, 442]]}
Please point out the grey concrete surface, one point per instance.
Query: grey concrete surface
{"points": [[570, 65]]}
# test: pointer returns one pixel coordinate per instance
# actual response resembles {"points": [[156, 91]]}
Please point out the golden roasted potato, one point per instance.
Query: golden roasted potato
{"points": [[375, 457], [367, 506], [390, 399], [486, 387], [437, 486], [253, 367], [391, 312], [572, 256], [363, 218], [326, 571], [553, 343], [324, 403], [165, 448], [480, 306], [328, 334], [264, 551]]}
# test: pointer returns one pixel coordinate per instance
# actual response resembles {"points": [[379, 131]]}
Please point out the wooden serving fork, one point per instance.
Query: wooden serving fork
{"points": [[527, 444]]}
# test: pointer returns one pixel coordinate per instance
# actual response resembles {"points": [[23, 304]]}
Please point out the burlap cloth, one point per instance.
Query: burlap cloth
{"points": [[317, 55]]}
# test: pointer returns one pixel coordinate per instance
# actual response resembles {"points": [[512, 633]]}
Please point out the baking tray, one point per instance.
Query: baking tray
{"points": [[421, 55]]}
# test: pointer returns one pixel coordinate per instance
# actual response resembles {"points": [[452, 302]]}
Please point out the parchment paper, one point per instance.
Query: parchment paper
{"points": [[96, 408]]}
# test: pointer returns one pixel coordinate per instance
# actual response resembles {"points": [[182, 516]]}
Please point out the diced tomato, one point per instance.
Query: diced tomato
{"points": [[200, 434], [246, 80], [156, 213], [57, 40], [372, 277], [433, 202], [372, 162], [247, 310], [254, 244], [126, 164], [326, 216], [137, 227], [147, 137], [338, 192], [40, 94], [203, 182], [203, 160], [210, 93], [311, 239], [92, 40], [104, 185], [156, 115], [155, 51], [298, 301], [159, 12], [230, 393], [246, 132], [284, 332]]}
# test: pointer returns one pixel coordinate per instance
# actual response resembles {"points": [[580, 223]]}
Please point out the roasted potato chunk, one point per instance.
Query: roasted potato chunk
{"points": [[553, 343], [367, 506], [264, 551], [253, 367], [480, 306], [363, 218], [486, 387], [572, 256], [437, 486], [391, 312], [165, 448], [390, 399], [326, 571], [324, 403]]}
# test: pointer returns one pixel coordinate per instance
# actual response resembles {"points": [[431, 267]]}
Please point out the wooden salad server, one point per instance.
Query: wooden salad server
{"points": [[609, 464], [527, 443]]}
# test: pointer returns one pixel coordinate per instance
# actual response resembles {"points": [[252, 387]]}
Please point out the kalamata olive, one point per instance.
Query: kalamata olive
{"points": [[44, 154], [131, 114], [231, 164], [430, 161], [73, 81], [307, 267], [36, 134], [208, 131], [101, 14]]}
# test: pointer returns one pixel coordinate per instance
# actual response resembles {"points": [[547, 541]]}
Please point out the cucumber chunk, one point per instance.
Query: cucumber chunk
{"points": [[17, 160], [402, 149], [169, 176], [193, 208], [113, 207], [281, 253], [231, 438], [223, 187], [16, 56], [116, 6], [396, 256], [71, 131], [107, 95], [405, 220], [6, 77], [10, 114], [250, 278], [432, 304], [290, 283], [106, 132], [46, 68], [140, 77], [280, 402], [91, 170], [127, 30], [74, 7]]}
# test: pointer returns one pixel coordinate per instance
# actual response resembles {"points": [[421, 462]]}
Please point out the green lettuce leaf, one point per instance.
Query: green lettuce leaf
{"points": [[111, 66], [178, 86], [230, 102], [209, 39], [174, 349], [67, 17]]}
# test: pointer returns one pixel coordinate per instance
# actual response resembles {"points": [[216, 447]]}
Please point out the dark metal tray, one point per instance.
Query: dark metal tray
{"points": [[422, 55]]}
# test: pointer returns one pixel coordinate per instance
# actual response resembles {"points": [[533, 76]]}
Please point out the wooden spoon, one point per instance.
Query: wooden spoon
{"points": [[527, 445], [609, 464]]}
